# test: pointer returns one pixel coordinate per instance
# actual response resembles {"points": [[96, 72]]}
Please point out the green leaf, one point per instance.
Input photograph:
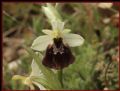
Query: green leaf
{"points": [[37, 26]]}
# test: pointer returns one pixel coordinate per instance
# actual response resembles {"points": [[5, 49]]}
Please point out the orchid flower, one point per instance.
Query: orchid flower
{"points": [[56, 42]]}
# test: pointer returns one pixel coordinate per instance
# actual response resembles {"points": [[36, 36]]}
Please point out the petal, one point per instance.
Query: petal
{"points": [[41, 87], [66, 30], [50, 15], [51, 12], [54, 11], [57, 25], [25, 80], [73, 39], [19, 77], [47, 31], [35, 70], [60, 25], [41, 43]]}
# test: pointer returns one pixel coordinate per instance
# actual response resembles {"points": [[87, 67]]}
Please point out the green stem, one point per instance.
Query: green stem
{"points": [[60, 77]]}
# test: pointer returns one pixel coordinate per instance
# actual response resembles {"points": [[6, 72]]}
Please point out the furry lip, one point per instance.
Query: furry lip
{"points": [[58, 55]]}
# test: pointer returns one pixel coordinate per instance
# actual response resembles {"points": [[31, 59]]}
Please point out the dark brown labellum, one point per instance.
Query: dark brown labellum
{"points": [[58, 55]]}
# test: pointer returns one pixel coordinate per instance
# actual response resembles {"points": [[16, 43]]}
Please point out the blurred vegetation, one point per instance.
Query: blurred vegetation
{"points": [[96, 64]]}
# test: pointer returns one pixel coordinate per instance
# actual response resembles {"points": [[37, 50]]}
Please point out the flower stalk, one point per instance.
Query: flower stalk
{"points": [[60, 77]]}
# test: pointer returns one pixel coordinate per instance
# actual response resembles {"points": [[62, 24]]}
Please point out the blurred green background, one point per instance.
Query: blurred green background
{"points": [[96, 64]]}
